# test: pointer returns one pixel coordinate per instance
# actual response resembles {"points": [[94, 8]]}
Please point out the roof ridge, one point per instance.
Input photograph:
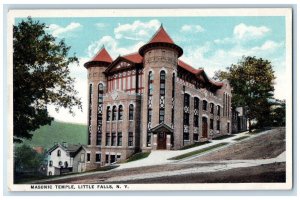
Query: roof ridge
{"points": [[161, 30]]}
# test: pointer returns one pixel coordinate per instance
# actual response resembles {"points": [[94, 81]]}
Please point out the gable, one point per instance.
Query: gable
{"points": [[120, 64]]}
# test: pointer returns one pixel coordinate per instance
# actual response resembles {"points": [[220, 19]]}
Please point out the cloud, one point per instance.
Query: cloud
{"points": [[112, 45], [242, 31], [59, 31], [137, 30], [192, 28], [100, 25]]}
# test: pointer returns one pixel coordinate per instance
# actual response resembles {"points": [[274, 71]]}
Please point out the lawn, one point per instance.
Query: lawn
{"points": [[198, 151], [194, 145], [223, 137], [138, 156]]}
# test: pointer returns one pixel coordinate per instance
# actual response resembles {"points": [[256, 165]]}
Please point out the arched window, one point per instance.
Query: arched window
{"points": [[196, 103], [50, 163], [58, 153], [186, 100], [130, 112], [212, 108], [114, 114], [59, 163], [66, 164], [108, 113], [204, 105], [162, 83], [120, 112]]}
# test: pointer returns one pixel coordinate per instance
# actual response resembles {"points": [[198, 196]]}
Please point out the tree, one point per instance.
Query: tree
{"points": [[252, 80], [41, 76], [278, 113], [26, 159]]}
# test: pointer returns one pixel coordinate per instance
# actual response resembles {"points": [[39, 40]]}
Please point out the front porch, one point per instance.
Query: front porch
{"points": [[162, 137]]}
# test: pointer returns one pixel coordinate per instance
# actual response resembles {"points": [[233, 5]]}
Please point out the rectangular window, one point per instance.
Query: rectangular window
{"points": [[186, 117], [99, 138], [196, 103], [186, 100], [149, 115], [228, 127], [119, 139], [196, 121], [218, 110], [204, 105], [195, 137], [88, 157], [98, 157], [211, 108], [113, 139], [130, 139], [161, 115], [186, 136], [218, 125], [106, 158], [107, 140], [148, 139], [211, 124]]}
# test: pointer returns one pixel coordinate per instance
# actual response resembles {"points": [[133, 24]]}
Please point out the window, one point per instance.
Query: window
{"points": [[218, 110], [196, 103], [120, 112], [186, 117], [98, 157], [195, 137], [211, 108], [186, 100], [173, 95], [130, 139], [119, 139], [107, 140], [113, 139], [50, 173], [149, 115], [218, 125], [60, 163], [66, 164], [196, 121], [50, 163], [114, 115], [106, 158], [150, 84], [211, 124], [148, 139], [186, 136], [82, 157], [58, 153], [88, 157], [90, 113], [99, 138], [108, 113], [204, 105], [161, 115], [130, 112], [228, 127]]}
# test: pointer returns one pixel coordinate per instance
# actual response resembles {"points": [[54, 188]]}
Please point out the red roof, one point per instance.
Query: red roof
{"points": [[134, 57], [102, 56], [188, 67], [161, 36]]}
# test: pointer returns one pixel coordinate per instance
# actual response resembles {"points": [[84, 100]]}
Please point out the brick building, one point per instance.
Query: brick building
{"points": [[151, 100]]}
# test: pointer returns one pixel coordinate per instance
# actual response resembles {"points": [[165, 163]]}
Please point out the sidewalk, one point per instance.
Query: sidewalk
{"points": [[160, 157]]}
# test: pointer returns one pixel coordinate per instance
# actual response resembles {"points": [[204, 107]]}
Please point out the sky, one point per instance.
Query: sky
{"points": [[212, 43]]}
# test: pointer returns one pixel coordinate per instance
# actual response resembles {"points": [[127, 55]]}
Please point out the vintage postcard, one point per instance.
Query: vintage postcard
{"points": [[150, 99]]}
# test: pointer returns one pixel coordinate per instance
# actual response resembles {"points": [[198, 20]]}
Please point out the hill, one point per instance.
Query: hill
{"points": [[60, 132]]}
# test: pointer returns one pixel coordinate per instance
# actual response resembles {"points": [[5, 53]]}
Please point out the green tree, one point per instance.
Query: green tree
{"points": [[26, 159], [252, 80], [41, 76], [278, 113]]}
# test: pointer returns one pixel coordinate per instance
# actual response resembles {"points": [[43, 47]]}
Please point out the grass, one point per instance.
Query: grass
{"points": [[223, 137], [241, 138], [194, 145], [60, 132], [138, 156], [198, 151]]}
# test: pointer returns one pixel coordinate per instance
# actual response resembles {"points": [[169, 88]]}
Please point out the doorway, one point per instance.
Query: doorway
{"points": [[161, 140], [204, 127]]}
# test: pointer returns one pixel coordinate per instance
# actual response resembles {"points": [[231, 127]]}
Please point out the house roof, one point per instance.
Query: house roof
{"points": [[188, 67], [70, 148], [134, 57], [161, 36], [101, 57]]}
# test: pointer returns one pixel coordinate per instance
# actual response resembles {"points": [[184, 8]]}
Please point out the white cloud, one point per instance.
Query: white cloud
{"points": [[242, 31], [192, 28], [59, 31], [100, 25], [137, 30], [112, 45]]}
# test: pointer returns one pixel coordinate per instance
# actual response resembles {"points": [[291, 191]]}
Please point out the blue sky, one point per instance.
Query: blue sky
{"points": [[212, 43]]}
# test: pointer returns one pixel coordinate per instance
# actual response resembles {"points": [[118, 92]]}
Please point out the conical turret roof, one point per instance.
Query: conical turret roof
{"points": [[161, 38], [101, 57]]}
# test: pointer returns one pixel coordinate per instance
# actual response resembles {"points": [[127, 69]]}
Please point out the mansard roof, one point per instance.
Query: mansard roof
{"points": [[102, 57]]}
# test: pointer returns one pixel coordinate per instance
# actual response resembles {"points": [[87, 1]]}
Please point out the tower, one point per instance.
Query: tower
{"points": [[96, 89], [160, 66]]}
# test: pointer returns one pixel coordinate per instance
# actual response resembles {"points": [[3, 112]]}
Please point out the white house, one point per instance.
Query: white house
{"points": [[60, 158]]}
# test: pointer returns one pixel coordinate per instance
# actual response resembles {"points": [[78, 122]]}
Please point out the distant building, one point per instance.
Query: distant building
{"points": [[60, 158], [239, 120], [151, 100]]}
